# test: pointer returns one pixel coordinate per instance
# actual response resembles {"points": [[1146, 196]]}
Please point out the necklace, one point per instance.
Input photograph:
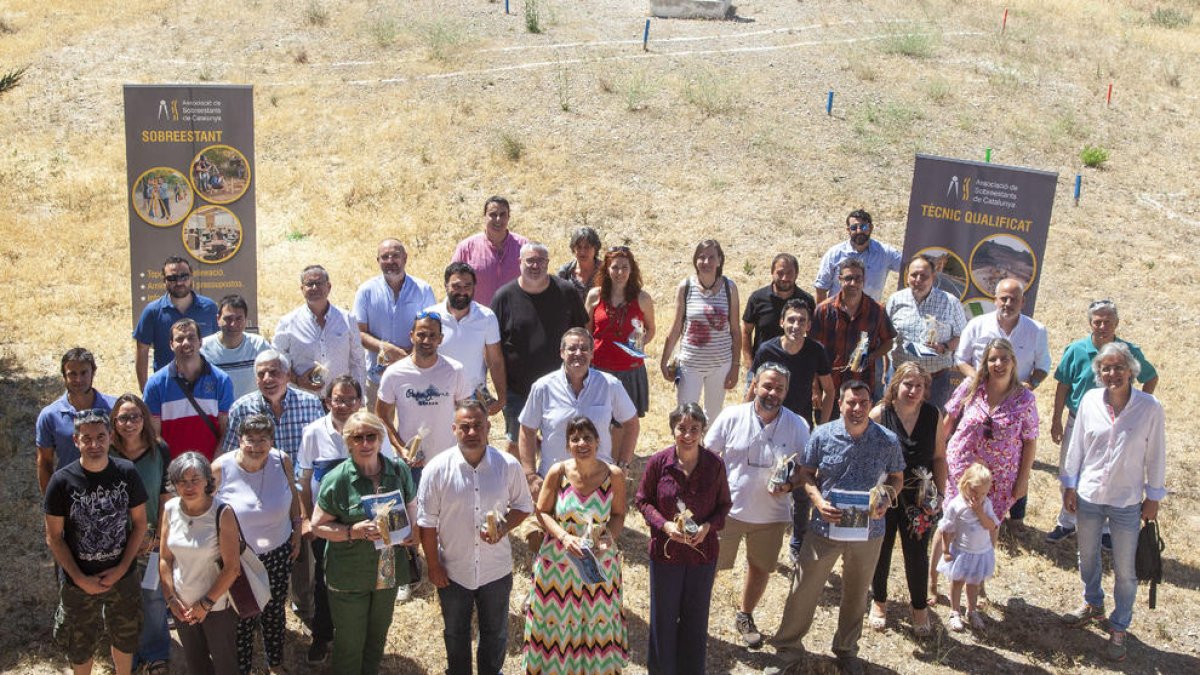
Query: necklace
{"points": [[707, 287], [188, 516], [262, 478]]}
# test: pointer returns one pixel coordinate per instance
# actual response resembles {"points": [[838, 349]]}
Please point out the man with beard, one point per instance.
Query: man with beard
{"points": [[533, 311], [417, 396], [232, 349], [495, 253], [179, 302], [849, 454], [385, 307], [764, 309], [877, 258], [189, 399], [930, 344], [840, 321], [471, 335], [55, 429], [756, 439], [319, 338]]}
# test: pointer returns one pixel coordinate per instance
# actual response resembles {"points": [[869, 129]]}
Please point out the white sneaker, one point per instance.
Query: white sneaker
{"points": [[403, 593], [956, 623]]}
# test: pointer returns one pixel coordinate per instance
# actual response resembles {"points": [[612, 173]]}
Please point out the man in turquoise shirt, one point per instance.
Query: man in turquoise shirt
{"points": [[1075, 377]]}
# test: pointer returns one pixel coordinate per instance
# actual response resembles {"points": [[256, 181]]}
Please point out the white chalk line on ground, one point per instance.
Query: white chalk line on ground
{"points": [[1171, 214]]}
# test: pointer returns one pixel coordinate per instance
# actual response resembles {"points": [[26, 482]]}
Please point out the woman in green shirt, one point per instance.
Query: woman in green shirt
{"points": [[362, 579]]}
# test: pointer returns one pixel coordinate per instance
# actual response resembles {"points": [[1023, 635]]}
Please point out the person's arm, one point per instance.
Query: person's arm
{"points": [[967, 370], [876, 413], [747, 341], [647, 304], [545, 511], [676, 330], [231, 566], [644, 498], [55, 526], [883, 348], [387, 413], [166, 577], [616, 516], [527, 453], [391, 352], [295, 508], [1035, 379], [429, 545], [1155, 465], [358, 355], [1028, 455], [941, 470], [306, 494], [222, 424], [589, 306], [731, 378], [1060, 401], [494, 357], [141, 363], [827, 397], [46, 462], [808, 483], [632, 429], [1150, 385]]}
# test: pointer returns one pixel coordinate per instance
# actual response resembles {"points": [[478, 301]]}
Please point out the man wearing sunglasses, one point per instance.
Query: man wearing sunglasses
{"points": [[878, 259], [179, 302]]}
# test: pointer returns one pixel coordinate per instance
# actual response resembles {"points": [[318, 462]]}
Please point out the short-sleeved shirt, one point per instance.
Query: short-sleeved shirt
{"points": [[834, 328], [300, 409], [389, 316], [465, 339], [337, 345], [531, 327], [322, 448], [55, 426], [353, 565], [853, 464], [95, 507], [152, 469], [493, 268], [425, 397], [1028, 339], [182, 427], [154, 326], [907, 315], [751, 451], [1075, 368], [879, 259], [455, 498], [237, 363], [764, 309], [803, 367], [552, 403]]}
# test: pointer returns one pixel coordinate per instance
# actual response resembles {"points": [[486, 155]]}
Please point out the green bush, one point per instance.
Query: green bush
{"points": [[1094, 156]]}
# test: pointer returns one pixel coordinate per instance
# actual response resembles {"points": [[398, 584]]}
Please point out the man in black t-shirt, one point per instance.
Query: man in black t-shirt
{"points": [[533, 310], [805, 359], [764, 309], [95, 520]]}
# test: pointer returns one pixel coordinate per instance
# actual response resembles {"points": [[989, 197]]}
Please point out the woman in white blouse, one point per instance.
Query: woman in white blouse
{"points": [[1114, 474]]}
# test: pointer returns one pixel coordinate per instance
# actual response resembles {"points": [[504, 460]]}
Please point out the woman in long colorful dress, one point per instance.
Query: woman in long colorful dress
{"points": [[573, 626], [993, 420]]}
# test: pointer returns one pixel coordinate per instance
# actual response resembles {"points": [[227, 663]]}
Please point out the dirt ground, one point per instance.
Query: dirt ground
{"points": [[390, 118]]}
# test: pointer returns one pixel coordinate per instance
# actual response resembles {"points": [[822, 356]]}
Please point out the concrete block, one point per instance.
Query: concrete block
{"points": [[691, 9]]}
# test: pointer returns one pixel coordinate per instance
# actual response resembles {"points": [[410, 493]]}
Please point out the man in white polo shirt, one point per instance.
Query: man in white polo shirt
{"points": [[471, 563], [754, 439], [471, 334], [574, 389]]}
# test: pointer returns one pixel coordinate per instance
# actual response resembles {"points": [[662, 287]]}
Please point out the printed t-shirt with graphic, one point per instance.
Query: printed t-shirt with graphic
{"points": [[424, 397], [95, 507]]}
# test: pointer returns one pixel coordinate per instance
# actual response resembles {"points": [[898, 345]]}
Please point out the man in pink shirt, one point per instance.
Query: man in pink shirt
{"points": [[494, 254]]}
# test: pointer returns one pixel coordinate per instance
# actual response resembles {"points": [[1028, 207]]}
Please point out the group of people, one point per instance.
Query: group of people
{"points": [[156, 197], [208, 175], [239, 441]]}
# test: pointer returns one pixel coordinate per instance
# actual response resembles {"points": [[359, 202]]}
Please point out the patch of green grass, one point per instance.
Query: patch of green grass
{"points": [[295, 235], [511, 147], [939, 90], [1170, 17], [712, 92], [533, 19], [1094, 156], [636, 89], [315, 13], [10, 80], [913, 45]]}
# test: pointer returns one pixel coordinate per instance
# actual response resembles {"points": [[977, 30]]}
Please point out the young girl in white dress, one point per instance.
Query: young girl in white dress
{"points": [[968, 531]]}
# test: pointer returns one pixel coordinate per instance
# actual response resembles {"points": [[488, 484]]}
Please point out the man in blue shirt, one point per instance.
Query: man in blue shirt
{"points": [[876, 257], [179, 302], [55, 433]]}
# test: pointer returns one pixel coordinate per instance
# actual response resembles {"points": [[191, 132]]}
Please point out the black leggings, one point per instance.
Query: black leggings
{"points": [[916, 560]]}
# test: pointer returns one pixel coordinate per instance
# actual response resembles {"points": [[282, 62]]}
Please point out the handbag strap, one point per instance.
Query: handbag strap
{"points": [[241, 539], [187, 391]]}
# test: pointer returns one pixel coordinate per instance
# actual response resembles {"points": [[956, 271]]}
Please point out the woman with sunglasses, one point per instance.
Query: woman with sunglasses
{"points": [[993, 420], [134, 439], [362, 579], [621, 320]]}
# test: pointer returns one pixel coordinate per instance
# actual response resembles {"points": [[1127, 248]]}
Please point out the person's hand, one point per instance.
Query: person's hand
{"points": [[1020, 488], [149, 543], [700, 535], [535, 484], [198, 612], [776, 490], [437, 574], [501, 532], [731, 378], [414, 464], [496, 406], [829, 512], [1056, 430], [109, 577], [673, 532], [1027, 384], [365, 529], [180, 610], [1071, 501], [948, 556], [574, 545], [1149, 509], [90, 585], [666, 371], [306, 531], [392, 353], [880, 511]]}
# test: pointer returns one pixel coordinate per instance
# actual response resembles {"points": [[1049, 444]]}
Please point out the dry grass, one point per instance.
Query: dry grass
{"points": [[384, 133]]}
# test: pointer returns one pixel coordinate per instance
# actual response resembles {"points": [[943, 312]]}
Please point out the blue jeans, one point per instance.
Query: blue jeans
{"points": [[513, 404], [679, 602], [457, 604], [1123, 522], [940, 389], [155, 641]]}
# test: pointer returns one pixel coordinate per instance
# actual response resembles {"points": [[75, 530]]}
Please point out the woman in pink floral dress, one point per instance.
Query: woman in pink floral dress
{"points": [[993, 420]]}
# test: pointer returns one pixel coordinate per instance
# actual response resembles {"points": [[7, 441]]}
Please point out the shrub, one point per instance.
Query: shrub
{"points": [[533, 22], [315, 13], [1169, 17], [1094, 156]]}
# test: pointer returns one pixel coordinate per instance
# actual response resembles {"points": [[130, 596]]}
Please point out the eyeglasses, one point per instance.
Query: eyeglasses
{"points": [[854, 279], [368, 437], [338, 400], [428, 314], [314, 284], [859, 227], [537, 262], [174, 278], [130, 418], [618, 249]]}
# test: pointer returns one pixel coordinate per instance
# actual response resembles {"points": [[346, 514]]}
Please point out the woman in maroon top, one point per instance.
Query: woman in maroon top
{"points": [[621, 320], [683, 550]]}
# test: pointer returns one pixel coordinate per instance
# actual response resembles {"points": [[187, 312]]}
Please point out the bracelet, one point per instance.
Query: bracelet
{"points": [[207, 603]]}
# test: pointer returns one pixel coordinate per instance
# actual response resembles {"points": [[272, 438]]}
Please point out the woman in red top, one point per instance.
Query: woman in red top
{"points": [[621, 320]]}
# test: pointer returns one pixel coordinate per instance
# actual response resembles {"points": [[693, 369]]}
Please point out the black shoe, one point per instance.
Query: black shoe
{"points": [[319, 651], [851, 665]]}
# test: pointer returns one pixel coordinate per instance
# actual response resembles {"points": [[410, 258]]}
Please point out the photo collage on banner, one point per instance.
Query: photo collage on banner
{"points": [[189, 153], [980, 223]]}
